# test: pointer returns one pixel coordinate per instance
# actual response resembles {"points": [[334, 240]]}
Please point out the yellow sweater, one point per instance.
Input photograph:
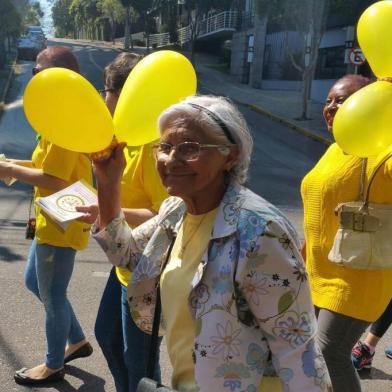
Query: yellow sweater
{"points": [[361, 294]]}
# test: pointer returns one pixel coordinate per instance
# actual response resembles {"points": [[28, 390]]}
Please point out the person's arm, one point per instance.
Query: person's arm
{"points": [[31, 176], [133, 216], [21, 162], [137, 216], [277, 292]]}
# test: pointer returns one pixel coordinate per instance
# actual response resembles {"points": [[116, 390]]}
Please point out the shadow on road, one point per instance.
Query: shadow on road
{"points": [[91, 382], [374, 374], [13, 360], [6, 254]]}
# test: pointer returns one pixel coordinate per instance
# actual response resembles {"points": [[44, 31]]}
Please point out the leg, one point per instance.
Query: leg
{"points": [[381, 326], [136, 347], [30, 274], [337, 335], [108, 331], [54, 271]]}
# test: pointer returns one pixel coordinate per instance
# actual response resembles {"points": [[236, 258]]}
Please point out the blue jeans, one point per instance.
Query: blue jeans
{"points": [[48, 272], [124, 345]]}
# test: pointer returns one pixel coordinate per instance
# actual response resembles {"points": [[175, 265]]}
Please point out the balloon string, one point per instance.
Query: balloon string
{"points": [[105, 153], [388, 79]]}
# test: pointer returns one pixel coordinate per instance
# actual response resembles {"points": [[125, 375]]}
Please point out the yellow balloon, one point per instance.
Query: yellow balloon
{"points": [[374, 32], [66, 109], [160, 80], [362, 125]]}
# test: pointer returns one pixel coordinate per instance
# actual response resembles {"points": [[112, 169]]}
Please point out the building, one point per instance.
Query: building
{"points": [[260, 52]]}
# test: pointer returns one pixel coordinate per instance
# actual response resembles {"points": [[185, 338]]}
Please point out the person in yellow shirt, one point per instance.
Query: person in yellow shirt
{"points": [[124, 345], [346, 300], [52, 253]]}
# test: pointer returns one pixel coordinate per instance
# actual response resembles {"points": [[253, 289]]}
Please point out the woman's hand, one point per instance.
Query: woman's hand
{"points": [[109, 171], [90, 213], [4, 169]]}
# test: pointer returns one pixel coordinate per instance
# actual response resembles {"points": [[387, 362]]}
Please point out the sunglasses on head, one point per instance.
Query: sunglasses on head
{"points": [[35, 70]]}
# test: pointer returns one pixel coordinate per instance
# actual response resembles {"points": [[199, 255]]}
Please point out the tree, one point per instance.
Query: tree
{"points": [[114, 11], [62, 18], [86, 16], [10, 26]]}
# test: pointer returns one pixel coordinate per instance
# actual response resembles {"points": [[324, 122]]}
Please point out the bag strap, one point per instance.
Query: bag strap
{"points": [[31, 202], [363, 179], [372, 176], [157, 319]]}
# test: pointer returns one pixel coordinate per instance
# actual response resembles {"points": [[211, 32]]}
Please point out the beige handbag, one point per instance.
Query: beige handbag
{"points": [[364, 238]]}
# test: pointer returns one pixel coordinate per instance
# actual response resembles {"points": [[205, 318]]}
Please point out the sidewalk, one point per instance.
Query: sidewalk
{"points": [[281, 106]]}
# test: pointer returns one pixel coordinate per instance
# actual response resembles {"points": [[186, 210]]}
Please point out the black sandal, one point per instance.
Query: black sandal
{"points": [[82, 352], [21, 378]]}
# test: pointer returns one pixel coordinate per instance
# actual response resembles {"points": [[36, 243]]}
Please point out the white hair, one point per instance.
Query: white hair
{"points": [[225, 110]]}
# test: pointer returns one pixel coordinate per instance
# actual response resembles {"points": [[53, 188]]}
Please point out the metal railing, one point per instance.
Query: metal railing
{"points": [[158, 40], [222, 21], [184, 34]]}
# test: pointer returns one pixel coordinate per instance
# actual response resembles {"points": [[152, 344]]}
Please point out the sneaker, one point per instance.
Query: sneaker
{"points": [[388, 352], [361, 357]]}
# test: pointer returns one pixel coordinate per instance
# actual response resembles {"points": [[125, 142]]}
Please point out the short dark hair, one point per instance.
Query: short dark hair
{"points": [[356, 81], [60, 56], [115, 74]]}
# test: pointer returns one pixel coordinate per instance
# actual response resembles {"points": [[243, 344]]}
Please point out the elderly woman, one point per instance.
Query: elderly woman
{"points": [[346, 300], [232, 282]]}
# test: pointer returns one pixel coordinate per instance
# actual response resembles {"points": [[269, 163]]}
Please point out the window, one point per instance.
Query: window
{"points": [[330, 64]]}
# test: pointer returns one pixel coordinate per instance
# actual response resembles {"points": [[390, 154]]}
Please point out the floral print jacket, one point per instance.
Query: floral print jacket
{"points": [[249, 299]]}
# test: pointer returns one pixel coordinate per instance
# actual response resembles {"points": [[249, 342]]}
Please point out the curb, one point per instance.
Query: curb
{"points": [[290, 124], [279, 119], [7, 86]]}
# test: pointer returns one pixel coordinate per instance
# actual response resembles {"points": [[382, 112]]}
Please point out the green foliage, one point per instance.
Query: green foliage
{"points": [[112, 9], [62, 18], [10, 19]]}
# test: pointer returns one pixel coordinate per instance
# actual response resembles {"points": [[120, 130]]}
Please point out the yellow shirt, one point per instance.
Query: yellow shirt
{"points": [[176, 279], [69, 166], [361, 294], [141, 187]]}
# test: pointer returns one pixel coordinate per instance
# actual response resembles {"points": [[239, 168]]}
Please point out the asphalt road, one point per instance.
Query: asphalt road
{"points": [[280, 160]]}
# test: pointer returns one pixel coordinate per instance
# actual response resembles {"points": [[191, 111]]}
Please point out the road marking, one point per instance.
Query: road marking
{"points": [[90, 56], [13, 105], [100, 274]]}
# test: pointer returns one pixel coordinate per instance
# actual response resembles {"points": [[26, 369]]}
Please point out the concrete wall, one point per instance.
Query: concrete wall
{"points": [[256, 68], [286, 85], [320, 89], [238, 55], [335, 37]]}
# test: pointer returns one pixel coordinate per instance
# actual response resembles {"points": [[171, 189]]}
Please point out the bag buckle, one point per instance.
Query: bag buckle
{"points": [[358, 221]]}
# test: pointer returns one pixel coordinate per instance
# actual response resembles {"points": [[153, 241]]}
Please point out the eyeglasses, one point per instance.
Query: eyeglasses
{"points": [[106, 90], [187, 151]]}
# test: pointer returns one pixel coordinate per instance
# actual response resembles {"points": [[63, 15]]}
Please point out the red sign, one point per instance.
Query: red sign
{"points": [[356, 56]]}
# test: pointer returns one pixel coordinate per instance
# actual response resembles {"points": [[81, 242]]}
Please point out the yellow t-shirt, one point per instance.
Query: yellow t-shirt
{"points": [[141, 187], [191, 243], [69, 166], [361, 294]]}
